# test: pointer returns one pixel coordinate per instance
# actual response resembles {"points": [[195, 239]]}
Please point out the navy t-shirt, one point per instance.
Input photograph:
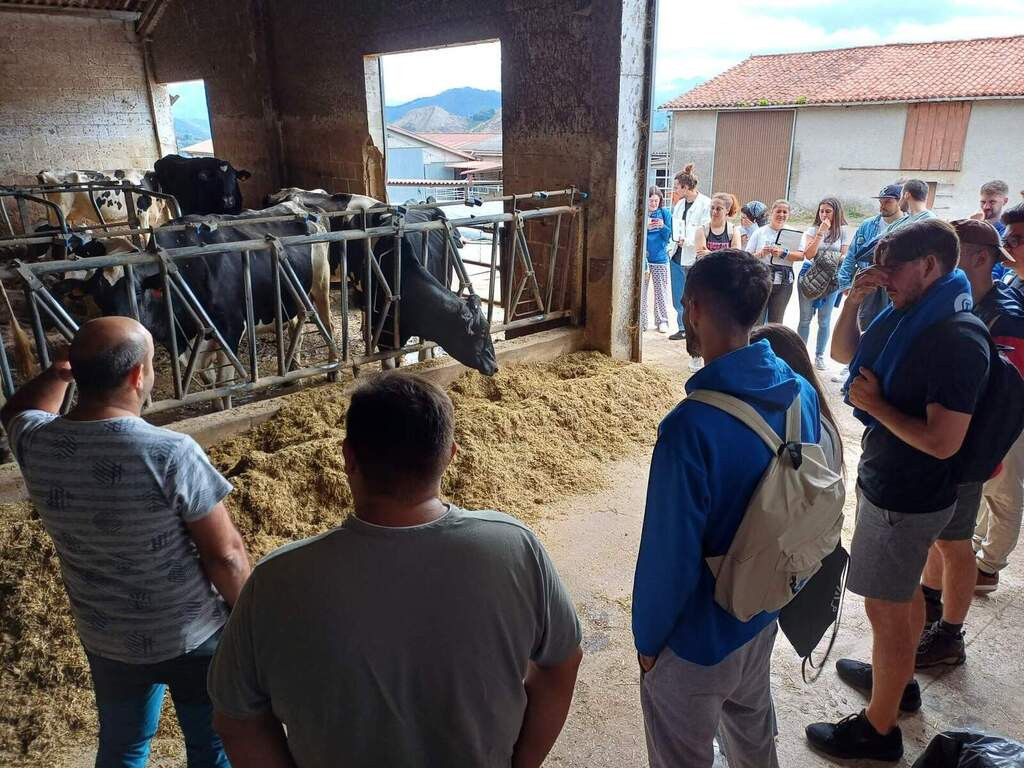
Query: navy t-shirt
{"points": [[947, 365]]}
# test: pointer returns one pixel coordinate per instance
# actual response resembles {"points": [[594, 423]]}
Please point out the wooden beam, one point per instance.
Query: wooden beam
{"points": [[94, 13], [150, 16]]}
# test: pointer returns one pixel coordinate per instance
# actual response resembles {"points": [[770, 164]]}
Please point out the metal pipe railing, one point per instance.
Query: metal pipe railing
{"points": [[381, 305]]}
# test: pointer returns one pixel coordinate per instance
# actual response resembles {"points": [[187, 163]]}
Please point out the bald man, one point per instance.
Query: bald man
{"points": [[149, 556]]}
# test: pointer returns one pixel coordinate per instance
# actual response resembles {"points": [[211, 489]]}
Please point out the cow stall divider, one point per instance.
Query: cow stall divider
{"points": [[381, 300]]}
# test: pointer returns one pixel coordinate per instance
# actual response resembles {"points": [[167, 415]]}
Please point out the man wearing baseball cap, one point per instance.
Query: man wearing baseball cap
{"points": [[860, 254], [955, 568]]}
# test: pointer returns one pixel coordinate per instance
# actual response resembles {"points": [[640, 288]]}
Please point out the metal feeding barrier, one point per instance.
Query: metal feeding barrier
{"points": [[523, 300]]}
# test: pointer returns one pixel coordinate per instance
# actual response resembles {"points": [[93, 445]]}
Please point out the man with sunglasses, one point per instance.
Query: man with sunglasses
{"points": [[916, 376]]}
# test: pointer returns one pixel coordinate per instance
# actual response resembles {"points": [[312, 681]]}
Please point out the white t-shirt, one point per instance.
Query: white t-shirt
{"points": [[766, 236]]}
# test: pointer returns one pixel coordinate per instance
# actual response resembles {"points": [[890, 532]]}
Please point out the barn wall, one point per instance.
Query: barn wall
{"points": [[224, 43], [73, 94], [570, 82]]}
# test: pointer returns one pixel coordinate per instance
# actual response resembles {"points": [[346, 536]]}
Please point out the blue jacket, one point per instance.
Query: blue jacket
{"points": [[866, 234], [706, 466], [658, 239]]}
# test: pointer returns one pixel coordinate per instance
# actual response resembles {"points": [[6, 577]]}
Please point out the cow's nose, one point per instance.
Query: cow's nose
{"points": [[229, 201]]}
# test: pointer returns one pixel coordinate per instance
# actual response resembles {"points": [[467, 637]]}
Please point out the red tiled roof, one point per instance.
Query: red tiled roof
{"points": [[904, 72]]}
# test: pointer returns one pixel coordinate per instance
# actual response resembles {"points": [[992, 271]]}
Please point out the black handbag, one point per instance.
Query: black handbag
{"points": [[822, 278], [819, 605]]}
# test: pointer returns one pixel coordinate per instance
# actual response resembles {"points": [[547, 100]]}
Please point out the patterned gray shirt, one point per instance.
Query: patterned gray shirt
{"points": [[115, 495]]}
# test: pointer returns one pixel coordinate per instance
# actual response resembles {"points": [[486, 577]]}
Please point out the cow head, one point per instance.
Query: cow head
{"points": [[467, 336], [219, 184]]}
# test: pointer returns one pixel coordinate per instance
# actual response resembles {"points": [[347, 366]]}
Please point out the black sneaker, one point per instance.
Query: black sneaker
{"points": [[857, 674], [855, 738], [939, 647], [678, 336]]}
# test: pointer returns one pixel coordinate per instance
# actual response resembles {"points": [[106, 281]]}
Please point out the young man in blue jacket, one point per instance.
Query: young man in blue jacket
{"points": [[703, 671]]}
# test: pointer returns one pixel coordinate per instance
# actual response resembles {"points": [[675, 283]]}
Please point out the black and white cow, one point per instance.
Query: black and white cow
{"points": [[80, 206], [201, 185], [217, 279], [429, 310]]}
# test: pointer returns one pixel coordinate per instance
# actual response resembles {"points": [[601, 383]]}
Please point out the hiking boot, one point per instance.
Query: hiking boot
{"points": [[987, 582], [932, 612], [678, 336], [855, 738], [939, 647], [857, 674]]}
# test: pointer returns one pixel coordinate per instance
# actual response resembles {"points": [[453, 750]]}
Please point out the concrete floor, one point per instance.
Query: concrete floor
{"points": [[594, 541]]}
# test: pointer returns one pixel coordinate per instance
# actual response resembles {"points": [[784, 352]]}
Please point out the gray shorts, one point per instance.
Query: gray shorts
{"points": [[965, 516], [889, 550]]}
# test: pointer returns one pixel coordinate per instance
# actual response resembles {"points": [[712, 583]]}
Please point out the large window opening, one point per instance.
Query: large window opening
{"points": [[191, 118]]}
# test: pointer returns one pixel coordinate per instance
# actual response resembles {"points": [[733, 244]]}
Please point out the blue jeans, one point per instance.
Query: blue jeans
{"points": [[677, 276], [129, 697], [807, 311]]}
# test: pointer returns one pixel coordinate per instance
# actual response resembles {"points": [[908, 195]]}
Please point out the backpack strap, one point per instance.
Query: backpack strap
{"points": [[793, 432], [745, 413]]}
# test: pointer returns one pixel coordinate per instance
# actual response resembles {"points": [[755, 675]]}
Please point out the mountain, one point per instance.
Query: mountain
{"points": [[462, 102], [188, 132], [432, 120], [490, 125]]}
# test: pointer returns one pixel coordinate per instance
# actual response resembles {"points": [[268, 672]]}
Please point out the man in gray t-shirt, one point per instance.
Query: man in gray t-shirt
{"points": [[414, 634], [148, 554]]}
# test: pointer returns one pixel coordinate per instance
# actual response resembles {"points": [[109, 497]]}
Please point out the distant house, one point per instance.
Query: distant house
{"points": [[846, 122], [202, 148], [659, 170], [422, 164]]}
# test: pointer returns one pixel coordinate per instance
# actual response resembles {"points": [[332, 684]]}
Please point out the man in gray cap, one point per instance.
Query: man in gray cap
{"points": [[861, 253]]}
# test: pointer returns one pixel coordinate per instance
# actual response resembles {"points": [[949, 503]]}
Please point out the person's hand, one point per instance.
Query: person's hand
{"points": [[978, 215], [865, 283], [824, 227], [646, 662], [59, 362], [866, 391], [657, 224]]}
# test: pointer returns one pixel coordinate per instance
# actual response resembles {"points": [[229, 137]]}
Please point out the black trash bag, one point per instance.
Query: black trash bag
{"points": [[971, 749]]}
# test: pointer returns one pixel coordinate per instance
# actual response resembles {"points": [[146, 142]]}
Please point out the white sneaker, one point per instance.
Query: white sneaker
{"points": [[819, 363], [662, 327], [696, 363], [842, 376]]}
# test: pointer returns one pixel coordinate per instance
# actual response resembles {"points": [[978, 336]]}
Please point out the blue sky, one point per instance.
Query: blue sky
{"points": [[696, 40]]}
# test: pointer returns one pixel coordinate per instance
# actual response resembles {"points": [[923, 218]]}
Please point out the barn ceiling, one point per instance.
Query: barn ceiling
{"points": [[143, 12]]}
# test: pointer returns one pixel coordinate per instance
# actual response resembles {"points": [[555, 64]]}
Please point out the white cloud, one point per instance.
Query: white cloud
{"points": [[408, 76]]}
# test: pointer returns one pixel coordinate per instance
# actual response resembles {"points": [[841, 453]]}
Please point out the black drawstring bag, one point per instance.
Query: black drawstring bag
{"points": [[816, 607], [971, 749]]}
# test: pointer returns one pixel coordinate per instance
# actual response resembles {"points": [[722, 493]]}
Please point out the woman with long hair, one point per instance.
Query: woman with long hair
{"points": [[659, 235], [764, 244], [718, 234], [791, 349], [827, 234], [753, 216]]}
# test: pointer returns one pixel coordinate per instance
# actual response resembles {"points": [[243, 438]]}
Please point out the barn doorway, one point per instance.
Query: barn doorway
{"points": [[190, 115], [441, 110]]}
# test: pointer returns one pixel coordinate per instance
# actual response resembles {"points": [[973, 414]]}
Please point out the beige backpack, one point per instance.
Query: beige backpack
{"points": [[793, 520]]}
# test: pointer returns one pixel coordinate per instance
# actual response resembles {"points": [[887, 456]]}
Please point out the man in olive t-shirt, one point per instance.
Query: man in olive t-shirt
{"points": [[414, 634]]}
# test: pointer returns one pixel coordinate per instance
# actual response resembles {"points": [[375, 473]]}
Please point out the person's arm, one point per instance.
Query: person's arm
{"points": [[939, 434], [221, 552], [846, 334], [671, 556], [548, 696], [43, 393], [700, 243], [736, 241], [257, 742]]}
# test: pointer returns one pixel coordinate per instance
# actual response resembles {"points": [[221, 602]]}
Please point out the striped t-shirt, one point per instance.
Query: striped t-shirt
{"points": [[115, 495]]}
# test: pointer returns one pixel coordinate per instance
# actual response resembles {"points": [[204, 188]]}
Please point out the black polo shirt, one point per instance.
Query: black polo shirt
{"points": [[948, 365]]}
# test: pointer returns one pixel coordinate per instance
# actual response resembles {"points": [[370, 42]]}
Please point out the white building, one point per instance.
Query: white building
{"points": [[847, 122]]}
